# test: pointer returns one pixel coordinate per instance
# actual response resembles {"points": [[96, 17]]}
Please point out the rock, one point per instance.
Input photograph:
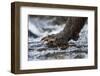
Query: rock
{"points": [[42, 49], [79, 56]]}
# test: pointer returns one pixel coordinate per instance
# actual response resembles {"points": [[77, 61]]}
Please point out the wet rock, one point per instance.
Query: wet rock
{"points": [[78, 51], [79, 56], [31, 49], [55, 48], [42, 49]]}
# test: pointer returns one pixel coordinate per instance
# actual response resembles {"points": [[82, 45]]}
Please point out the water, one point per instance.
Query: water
{"points": [[40, 28]]}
